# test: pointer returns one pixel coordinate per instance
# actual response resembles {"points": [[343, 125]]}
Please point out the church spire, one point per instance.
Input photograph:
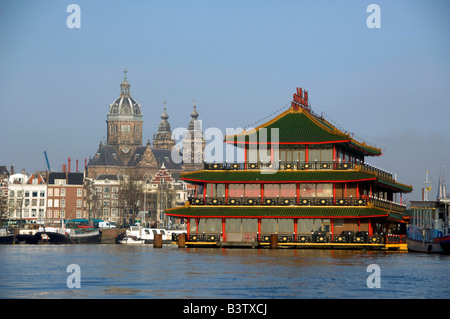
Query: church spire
{"points": [[164, 126], [163, 137], [125, 86], [193, 124]]}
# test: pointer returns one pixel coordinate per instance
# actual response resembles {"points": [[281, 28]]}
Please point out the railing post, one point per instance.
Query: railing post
{"points": [[182, 240], [157, 241], [273, 241]]}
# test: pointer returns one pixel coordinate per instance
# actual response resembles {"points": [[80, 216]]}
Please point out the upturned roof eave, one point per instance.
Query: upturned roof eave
{"points": [[332, 135]]}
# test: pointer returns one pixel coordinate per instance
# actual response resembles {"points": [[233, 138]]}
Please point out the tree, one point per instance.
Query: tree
{"points": [[131, 197]]}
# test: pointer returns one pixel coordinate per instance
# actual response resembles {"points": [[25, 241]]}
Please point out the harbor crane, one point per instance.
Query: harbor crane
{"points": [[46, 159]]}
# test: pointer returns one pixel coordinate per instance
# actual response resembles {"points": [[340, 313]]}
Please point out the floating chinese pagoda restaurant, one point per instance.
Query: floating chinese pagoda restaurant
{"points": [[303, 183]]}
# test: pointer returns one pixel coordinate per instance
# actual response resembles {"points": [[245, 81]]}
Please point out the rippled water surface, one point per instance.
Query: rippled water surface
{"points": [[121, 271]]}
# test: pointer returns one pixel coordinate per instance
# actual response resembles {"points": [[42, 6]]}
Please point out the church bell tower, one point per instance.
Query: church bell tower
{"points": [[124, 122]]}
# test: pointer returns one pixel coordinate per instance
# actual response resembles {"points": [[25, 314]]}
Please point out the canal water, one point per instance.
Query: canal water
{"points": [[121, 271]]}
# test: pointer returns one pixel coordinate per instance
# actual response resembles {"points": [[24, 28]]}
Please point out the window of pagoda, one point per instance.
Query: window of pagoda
{"points": [[320, 153]]}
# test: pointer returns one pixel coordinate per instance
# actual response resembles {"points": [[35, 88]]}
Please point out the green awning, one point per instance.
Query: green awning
{"points": [[258, 176], [276, 211]]}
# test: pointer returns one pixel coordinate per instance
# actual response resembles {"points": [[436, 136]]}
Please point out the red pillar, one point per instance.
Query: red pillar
{"points": [[306, 154], [332, 226], [334, 156], [334, 193], [223, 230], [295, 228], [226, 193], [204, 192], [259, 228], [357, 189], [188, 227], [245, 157], [262, 193]]}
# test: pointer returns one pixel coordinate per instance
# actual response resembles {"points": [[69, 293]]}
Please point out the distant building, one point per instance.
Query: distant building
{"points": [[160, 193], [4, 177], [124, 153], [27, 198], [162, 139], [193, 144], [103, 198], [66, 198]]}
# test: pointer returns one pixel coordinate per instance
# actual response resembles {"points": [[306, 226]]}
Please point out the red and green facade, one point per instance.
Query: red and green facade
{"points": [[319, 190]]}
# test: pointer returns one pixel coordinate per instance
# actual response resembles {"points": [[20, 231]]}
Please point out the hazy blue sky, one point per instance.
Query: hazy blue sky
{"points": [[241, 61]]}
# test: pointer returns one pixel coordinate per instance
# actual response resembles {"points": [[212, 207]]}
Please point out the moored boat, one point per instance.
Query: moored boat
{"points": [[6, 237], [28, 236], [143, 235], [429, 230], [75, 231], [131, 240]]}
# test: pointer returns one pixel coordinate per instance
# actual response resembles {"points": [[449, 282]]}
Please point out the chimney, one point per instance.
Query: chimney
{"points": [[64, 168], [12, 169], [77, 166], [68, 166]]}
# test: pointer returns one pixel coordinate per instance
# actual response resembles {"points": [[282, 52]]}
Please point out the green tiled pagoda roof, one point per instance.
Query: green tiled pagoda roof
{"points": [[279, 176], [250, 176], [300, 127], [275, 211]]}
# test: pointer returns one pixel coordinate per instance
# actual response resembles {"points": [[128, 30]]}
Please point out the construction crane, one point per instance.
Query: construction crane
{"points": [[46, 159]]}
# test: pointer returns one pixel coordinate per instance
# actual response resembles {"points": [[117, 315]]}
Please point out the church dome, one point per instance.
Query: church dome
{"points": [[125, 105]]}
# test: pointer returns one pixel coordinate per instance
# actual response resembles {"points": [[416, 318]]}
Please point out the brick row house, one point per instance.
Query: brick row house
{"points": [[38, 199], [66, 197]]}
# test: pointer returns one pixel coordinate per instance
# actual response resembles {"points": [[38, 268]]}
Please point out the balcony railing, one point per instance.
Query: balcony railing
{"points": [[301, 166], [293, 201], [318, 237]]}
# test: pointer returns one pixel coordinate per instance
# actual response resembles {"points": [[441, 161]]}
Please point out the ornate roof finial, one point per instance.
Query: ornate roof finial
{"points": [[125, 75], [164, 116], [194, 113]]}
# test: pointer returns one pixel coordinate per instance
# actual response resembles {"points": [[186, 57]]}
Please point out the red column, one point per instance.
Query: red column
{"points": [[332, 226], [306, 154], [204, 192], [245, 157], [334, 156], [259, 228], [262, 193], [188, 227], [295, 228], [223, 230], [226, 193], [334, 193], [298, 193]]}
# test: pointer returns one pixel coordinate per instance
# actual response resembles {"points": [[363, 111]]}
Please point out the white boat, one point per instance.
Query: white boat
{"points": [[136, 234], [131, 240]]}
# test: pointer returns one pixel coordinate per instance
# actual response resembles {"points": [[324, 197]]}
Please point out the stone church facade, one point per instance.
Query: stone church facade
{"points": [[124, 153]]}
